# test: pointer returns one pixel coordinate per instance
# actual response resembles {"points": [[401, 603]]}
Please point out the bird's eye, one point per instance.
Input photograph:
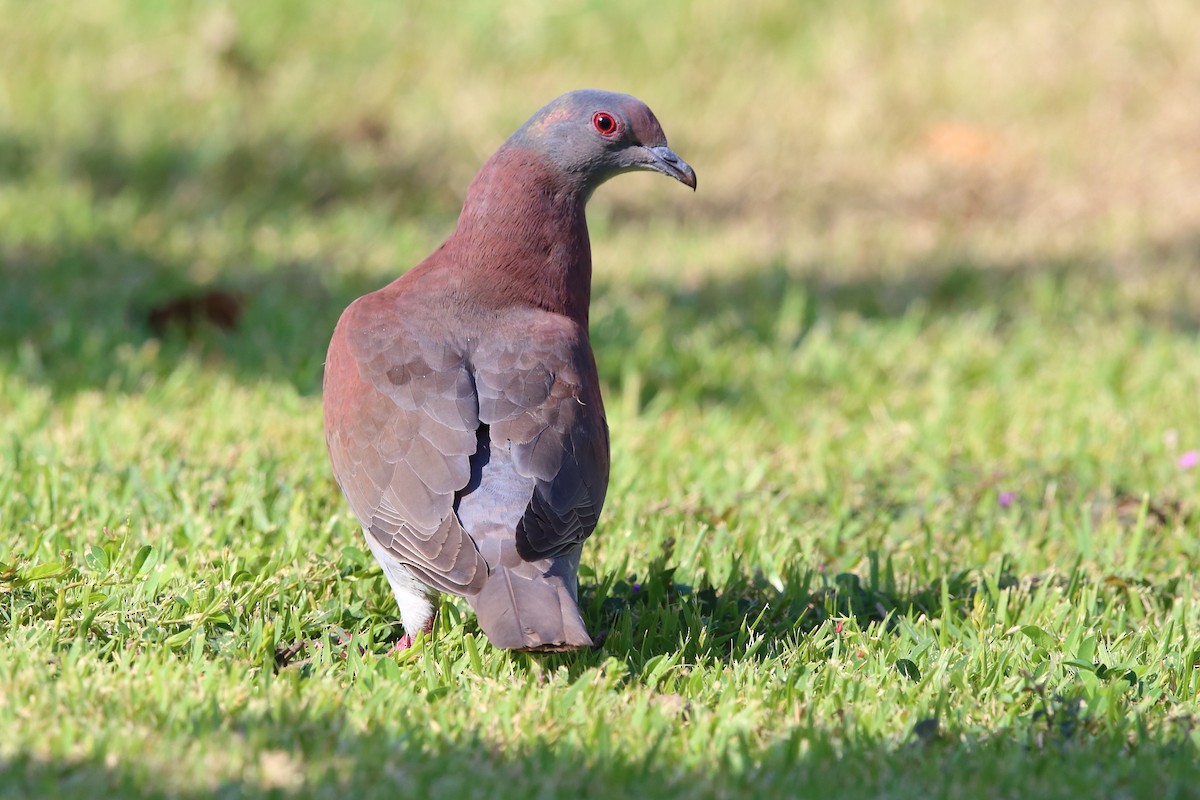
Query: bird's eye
{"points": [[604, 122]]}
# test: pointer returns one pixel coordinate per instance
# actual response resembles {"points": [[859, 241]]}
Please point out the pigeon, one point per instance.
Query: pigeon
{"points": [[463, 414]]}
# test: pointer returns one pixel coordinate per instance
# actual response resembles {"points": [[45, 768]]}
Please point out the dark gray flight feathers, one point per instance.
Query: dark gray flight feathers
{"points": [[462, 409]]}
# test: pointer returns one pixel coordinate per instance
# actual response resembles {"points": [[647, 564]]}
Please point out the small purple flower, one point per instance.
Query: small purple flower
{"points": [[1189, 459], [637, 587], [1006, 499]]}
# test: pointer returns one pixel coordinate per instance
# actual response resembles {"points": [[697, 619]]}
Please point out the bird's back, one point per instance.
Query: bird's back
{"points": [[456, 418]]}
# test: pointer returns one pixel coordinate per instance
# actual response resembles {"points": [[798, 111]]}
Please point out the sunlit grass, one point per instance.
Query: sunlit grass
{"points": [[901, 402]]}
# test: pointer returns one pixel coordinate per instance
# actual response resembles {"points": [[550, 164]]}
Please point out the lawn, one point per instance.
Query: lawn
{"points": [[904, 401]]}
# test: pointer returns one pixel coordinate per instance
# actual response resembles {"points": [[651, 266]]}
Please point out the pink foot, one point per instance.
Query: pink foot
{"points": [[408, 640]]}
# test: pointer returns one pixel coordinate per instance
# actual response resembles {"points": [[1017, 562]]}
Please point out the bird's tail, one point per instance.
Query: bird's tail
{"points": [[524, 608]]}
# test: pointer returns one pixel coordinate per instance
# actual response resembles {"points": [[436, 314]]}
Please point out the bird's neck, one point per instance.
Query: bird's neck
{"points": [[522, 236]]}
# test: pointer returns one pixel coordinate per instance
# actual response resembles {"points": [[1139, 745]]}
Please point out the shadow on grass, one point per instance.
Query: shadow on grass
{"points": [[773, 310], [71, 312], [280, 751], [70, 315], [77, 318], [749, 617]]}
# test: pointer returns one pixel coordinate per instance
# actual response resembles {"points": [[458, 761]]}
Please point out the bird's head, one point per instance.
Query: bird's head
{"points": [[593, 135]]}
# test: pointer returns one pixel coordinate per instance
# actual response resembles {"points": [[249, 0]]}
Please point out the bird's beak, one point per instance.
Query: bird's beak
{"points": [[663, 159]]}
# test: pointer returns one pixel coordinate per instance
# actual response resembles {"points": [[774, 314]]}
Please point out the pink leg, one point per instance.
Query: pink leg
{"points": [[407, 640]]}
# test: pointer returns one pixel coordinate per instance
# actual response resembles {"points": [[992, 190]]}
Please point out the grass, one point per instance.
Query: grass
{"points": [[899, 401]]}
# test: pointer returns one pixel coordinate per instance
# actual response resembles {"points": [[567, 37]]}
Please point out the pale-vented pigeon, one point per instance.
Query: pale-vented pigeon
{"points": [[462, 408]]}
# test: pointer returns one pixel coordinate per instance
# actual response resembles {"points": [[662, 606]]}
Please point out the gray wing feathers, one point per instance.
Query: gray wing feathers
{"points": [[404, 449], [404, 454], [547, 428], [555, 432]]}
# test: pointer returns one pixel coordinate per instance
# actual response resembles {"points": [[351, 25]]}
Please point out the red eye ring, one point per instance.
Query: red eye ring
{"points": [[605, 124]]}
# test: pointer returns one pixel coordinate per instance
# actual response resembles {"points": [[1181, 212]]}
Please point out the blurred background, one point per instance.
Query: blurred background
{"points": [[928, 331], [179, 171]]}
